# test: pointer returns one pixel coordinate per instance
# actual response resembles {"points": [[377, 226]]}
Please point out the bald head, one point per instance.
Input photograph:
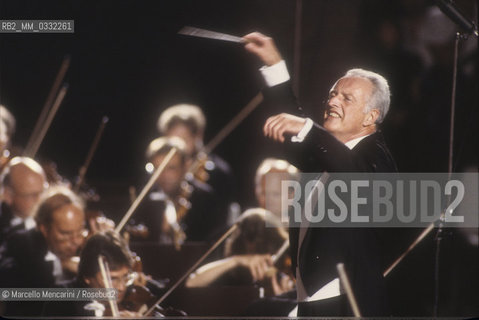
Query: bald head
{"points": [[24, 182]]}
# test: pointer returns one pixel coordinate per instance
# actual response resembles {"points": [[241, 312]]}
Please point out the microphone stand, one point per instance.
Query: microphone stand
{"points": [[440, 229], [439, 224]]}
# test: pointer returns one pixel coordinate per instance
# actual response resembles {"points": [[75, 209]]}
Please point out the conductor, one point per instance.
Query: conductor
{"points": [[348, 141]]}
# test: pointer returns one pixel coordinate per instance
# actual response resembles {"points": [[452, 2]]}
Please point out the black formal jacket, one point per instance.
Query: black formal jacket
{"points": [[222, 180], [23, 265], [323, 248], [6, 216], [64, 308], [205, 221]]}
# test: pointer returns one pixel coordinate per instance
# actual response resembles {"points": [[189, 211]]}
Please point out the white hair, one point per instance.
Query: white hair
{"points": [[269, 164], [188, 114], [381, 97]]}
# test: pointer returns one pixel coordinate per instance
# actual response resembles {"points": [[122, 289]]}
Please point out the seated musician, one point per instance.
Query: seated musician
{"points": [[23, 182], [176, 206], [248, 256], [268, 179], [268, 195], [111, 246], [7, 128], [134, 296], [42, 257], [188, 122]]}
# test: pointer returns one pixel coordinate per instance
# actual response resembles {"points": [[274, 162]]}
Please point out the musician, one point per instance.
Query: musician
{"points": [[248, 256], [23, 183], [281, 300], [268, 177], [175, 202], [41, 257], [7, 128], [188, 122], [348, 141], [120, 262]]}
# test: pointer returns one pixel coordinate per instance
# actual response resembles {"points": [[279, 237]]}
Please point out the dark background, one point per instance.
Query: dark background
{"points": [[128, 63]]}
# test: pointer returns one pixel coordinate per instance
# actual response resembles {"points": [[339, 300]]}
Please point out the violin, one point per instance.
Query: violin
{"points": [[106, 276], [279, 277], [139, 299], [198, 170], [182, 203], [138, 231], [276, 281]]}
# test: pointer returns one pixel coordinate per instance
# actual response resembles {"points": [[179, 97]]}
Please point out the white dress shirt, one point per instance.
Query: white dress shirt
{"points": [[277, 74]]}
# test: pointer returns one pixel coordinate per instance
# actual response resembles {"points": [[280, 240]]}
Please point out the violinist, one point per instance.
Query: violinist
{"points": [[118, 256], [268, 179], [39, 257], [187, 121], [253, 244], [174, 202], [23, 182], [248, 256], [7, 128], [253, 257]]}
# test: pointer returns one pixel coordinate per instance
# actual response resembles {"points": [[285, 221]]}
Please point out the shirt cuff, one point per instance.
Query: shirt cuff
{"points": [[303, 132], [275, 74]]}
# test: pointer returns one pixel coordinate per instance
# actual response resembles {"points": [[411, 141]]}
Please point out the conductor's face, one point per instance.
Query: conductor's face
{"points": [[345, 116]]}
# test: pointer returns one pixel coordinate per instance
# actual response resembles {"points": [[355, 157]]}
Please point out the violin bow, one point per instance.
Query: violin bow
{"points": [[48, 103], [257, 99], [193, 268], [275, 257], [35, 145], [226, 130], [91, 153], [145, 190], [220, 136], [105, 274]]}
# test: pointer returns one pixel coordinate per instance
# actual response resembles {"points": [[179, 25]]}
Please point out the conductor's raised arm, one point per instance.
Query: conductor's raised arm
{"points": [[263, 47]]}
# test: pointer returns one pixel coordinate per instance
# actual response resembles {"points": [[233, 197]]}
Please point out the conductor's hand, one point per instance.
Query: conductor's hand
{"points": [[277, 126], [263, 47], [258, 264]]}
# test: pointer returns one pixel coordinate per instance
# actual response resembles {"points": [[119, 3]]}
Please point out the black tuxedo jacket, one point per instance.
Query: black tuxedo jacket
{"points": [[6, 216], [23, 265], [323, 248], [205, 221], [63, 308]]}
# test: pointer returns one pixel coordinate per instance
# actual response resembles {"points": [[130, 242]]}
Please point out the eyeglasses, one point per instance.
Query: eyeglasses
{"points": [[126, 280], [71, 235]]}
